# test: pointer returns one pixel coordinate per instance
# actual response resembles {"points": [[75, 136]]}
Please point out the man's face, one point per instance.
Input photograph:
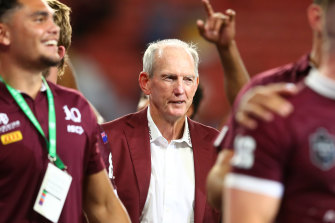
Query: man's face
{"points": [[33, 34], [173, 84]]}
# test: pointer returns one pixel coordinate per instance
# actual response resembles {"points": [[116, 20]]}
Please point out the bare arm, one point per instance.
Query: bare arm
{"points": [[100, 202], [219, 29], [216, 177], [242, 206]]}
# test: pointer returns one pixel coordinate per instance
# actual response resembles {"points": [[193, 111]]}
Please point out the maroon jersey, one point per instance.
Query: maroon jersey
{"points": [[290, 73], [24, 157], [293, 158]]}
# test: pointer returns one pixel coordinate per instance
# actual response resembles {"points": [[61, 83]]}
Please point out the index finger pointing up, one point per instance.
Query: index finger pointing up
{"points": [[208, 7]]}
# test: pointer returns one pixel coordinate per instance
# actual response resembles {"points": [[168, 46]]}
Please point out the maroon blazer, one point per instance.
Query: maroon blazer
{"points": [[128, 139]]}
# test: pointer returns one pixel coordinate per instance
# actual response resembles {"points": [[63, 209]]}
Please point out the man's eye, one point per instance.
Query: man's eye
{"points": [[189, 80], [40, 19], [169, 78]]}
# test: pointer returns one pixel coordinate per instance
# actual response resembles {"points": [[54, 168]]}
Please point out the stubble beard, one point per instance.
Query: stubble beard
{"points": [[49, 62]]}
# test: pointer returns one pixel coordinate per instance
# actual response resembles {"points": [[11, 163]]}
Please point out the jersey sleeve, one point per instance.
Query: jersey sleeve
{"points": [[260, 158], [94, 162], [225, 139]]}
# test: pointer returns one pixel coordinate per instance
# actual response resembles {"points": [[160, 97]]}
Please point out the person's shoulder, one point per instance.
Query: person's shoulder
{"points": [[124, 120], [291, 72], [301, 104], [202, 128], [67, 94]]}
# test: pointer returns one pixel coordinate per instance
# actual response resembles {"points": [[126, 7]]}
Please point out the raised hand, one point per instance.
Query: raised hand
{"points": [[219, 28]]}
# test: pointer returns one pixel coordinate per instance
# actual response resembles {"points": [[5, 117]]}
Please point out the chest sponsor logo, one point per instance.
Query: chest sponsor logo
{"points": [[75, 129], [322, 149], [4, 119], [11, 137], [74, 115], [5, 125]]}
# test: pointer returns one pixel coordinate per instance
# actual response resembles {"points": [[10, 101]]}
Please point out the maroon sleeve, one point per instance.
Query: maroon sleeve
{"points": [[263, 152], [286, 73], [94, 162], [228, 138]]}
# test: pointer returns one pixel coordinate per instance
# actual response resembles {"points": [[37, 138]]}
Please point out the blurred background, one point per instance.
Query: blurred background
{"points": [[110, 37]]}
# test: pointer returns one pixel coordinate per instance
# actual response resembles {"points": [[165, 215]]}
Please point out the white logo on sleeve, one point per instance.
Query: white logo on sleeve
{"points": [[244, 152], [74, 115], [4, 119]]}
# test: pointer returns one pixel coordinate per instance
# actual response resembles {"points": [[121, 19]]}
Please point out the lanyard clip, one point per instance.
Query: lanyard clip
{"points": [[52, 159]]}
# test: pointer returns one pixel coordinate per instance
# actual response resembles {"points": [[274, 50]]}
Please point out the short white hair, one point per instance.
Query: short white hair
{"points": [[149, 54]]}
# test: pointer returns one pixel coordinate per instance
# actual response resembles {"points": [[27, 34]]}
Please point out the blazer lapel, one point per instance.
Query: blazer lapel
{"points": [[137, 135], [202, 163]]}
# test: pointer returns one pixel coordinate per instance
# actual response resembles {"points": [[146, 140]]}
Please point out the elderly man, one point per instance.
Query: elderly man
{"points": [[160, 157]]}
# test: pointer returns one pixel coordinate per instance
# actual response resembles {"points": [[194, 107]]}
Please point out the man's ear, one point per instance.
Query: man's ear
{"points": [[4, 35], [144, 82], [315, 17], [61, 51]]}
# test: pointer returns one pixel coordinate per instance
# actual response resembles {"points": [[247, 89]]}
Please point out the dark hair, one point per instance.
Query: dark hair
{"points": [[6, 5], [318, 2], [196, 101], [324, 3], [327, 3]]}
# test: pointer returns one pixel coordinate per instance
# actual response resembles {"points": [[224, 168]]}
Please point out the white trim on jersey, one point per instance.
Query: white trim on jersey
{"points": [[254, 184], [321, 84], [220, 137]]}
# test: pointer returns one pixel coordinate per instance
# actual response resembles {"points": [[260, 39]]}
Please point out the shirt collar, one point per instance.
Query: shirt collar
{"points": [[43, 87], [321, 84], [154, 132]]}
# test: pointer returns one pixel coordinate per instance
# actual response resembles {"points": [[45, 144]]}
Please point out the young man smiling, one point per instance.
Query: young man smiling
{"points": [[36, 144]]}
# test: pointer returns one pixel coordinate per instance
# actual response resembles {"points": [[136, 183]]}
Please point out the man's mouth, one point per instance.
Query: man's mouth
{"points": [[177, 102], [51, 43]]}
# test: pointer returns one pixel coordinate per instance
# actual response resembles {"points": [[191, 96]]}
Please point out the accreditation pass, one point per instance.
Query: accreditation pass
{"points": [[53, 192]]}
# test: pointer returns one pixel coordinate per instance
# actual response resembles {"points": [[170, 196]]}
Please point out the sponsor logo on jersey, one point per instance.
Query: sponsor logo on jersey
{"points": [[5, 126], [4, 119], [11, 137], [322, 149], [74, 115], [244, 152], [75, 129]]}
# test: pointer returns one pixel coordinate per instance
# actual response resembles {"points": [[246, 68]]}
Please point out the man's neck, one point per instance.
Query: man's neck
{"points": [[22, 80], [315, 57], [170, 129], [327, 67]]}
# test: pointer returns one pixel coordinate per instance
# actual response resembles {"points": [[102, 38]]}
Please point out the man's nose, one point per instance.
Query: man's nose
{"points": [[179, 88], [54, 28]]}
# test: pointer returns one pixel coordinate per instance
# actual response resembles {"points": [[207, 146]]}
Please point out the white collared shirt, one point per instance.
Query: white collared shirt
{"points": [[172, 182]]}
